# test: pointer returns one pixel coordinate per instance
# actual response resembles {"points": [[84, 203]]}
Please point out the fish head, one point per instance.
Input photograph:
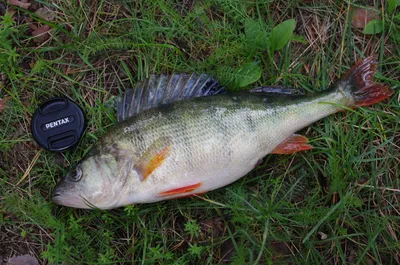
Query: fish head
{"points": [[92, 183]]}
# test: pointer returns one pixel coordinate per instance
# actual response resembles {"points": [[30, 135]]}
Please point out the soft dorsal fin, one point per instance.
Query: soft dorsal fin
{"points": [[163, 89]]}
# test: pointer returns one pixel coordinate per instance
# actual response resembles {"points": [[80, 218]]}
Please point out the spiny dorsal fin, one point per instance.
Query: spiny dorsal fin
{"points": [[163, 89]]}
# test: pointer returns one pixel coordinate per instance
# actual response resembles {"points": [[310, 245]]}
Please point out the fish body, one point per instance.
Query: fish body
{"points": [[212, 141], [200, 144]]}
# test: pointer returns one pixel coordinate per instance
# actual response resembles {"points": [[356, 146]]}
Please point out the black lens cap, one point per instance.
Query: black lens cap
{"points": [[58, 124]]}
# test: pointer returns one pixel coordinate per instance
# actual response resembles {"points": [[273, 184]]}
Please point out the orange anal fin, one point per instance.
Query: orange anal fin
{"points": [[181, 190], [154, 156], [294, 143]]}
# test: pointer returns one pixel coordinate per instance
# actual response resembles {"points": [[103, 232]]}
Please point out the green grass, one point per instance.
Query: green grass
{"points": [[347, 187]]}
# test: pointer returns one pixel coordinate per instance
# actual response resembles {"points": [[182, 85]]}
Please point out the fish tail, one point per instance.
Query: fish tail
{"points": [[359, 85]]}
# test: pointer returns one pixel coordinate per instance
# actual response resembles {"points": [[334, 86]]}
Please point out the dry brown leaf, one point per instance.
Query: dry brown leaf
{"points": [[45, 13], [3, 103], [21, 4], [32, 27], [41, 33], [23, 260], [362, 16], [11, 11]]}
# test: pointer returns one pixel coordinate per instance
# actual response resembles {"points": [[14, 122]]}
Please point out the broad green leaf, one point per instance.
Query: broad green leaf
{"points": [[282, 33], [246, 75], [373, 27], [392, 4]]}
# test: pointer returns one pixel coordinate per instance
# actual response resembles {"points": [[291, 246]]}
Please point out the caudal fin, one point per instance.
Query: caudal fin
{"points": [[359, 79]]}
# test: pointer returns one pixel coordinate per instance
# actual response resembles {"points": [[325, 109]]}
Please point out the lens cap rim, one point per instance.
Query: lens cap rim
{"points": [[58, 117]]}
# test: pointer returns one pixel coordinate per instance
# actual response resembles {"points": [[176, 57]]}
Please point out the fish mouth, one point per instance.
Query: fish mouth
{"points": [[70, 201]]}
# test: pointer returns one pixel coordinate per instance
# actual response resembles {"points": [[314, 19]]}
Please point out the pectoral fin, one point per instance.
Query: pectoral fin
{"points": [[154, 156], [294, 143]]}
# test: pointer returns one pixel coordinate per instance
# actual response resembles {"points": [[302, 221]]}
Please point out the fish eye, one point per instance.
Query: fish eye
{"points": [[75, 174]]}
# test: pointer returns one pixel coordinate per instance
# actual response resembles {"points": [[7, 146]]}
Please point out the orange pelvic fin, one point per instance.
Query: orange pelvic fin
{"points": [[294, 143], [154, 156], [181, 190]]}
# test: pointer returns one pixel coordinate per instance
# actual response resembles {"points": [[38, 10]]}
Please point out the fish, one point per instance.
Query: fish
{"points": [[183, 135]]}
